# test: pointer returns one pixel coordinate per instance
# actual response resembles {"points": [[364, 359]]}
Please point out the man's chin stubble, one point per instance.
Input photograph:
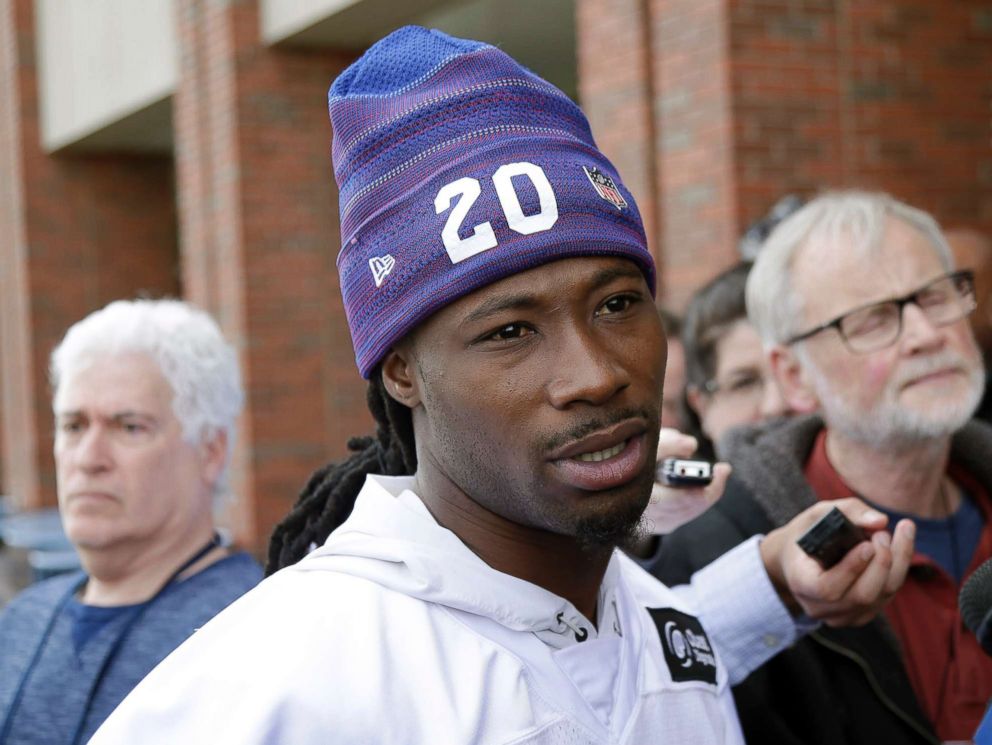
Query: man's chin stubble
{"points": [[617, 528]]}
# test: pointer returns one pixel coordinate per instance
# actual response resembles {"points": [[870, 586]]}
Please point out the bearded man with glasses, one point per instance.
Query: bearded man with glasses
{"points": [[863, 317]]}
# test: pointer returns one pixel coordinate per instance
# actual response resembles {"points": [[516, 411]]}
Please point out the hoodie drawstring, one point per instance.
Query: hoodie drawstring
{"points": [[581, 634]]}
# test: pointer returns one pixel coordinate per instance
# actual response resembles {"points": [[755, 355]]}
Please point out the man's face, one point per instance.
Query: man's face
{"points": [[926, 384], [125, 474], [973, 250], [540, 397], [745, 391]]}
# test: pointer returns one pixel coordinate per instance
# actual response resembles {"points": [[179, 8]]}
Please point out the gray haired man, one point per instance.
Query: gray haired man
{"points": [[864, 320], [146, 396]]}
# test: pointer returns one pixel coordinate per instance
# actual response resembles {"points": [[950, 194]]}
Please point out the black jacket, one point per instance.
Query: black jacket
{"points": [[835, 686]]}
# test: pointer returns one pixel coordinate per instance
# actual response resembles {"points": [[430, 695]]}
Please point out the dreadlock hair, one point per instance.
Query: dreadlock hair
{"points": [[329, 496]]}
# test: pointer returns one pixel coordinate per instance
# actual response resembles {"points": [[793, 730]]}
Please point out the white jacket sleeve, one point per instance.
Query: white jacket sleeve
{"points": [[740, 610]]}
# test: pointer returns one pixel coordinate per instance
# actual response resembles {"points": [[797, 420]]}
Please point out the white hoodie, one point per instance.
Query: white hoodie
{"points": [[395, 632]]}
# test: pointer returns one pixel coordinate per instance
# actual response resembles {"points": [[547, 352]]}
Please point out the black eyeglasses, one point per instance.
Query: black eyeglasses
{"points": [[875, 326]]}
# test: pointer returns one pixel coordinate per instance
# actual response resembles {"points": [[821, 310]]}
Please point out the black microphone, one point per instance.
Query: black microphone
{"points": [[975, 602]]}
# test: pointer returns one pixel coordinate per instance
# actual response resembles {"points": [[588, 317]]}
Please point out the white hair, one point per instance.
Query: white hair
{"points": [[188, 347], [852, 219]]}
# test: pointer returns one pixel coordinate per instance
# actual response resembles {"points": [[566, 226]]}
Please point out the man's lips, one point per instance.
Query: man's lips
{"points": [[603, 439], [88, 495], [622, 450], [931, 376]]}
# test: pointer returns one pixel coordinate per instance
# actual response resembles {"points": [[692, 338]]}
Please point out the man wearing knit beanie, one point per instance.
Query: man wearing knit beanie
{"points": [[499, 293]]}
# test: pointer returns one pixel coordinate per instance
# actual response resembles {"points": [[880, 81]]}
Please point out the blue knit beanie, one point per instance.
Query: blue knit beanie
{"points": [[458, 167]]}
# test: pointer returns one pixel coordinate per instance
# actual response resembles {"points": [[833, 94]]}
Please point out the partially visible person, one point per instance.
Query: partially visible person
{"points": [[669, 507], [672, 407], [973, 250], [728, 380], [865, 320], [757, 232], [146, 394]]}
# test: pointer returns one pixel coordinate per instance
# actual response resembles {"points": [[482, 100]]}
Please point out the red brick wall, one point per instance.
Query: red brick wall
{"points": [[789, 112], [756, 98], [258, 210], [710, 108], [887, 95], [86, 230]]}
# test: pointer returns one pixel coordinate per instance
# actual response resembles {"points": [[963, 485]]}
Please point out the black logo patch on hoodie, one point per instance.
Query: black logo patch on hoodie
{"points": [[688, 651]]}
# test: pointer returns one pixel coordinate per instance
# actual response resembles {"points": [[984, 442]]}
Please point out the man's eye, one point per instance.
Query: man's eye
{"points": [[870, 319], [133, 428], [71, 427], [510, 332], [745, 383], [933, 298], [616, 304]]}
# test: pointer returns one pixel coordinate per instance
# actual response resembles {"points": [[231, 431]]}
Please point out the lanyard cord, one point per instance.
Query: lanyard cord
{"points": [[114, 649]]}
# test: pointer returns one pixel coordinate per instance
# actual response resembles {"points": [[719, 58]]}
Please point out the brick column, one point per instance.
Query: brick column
{"points": [[698, 194], [616, 91], [15, 344], [655, 84], [78, 231], [260, 236]]}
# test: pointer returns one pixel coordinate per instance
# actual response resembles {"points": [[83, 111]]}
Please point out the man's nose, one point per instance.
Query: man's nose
{"points": [[586, 370], [918, 331], [772, 401], [92, 452]]}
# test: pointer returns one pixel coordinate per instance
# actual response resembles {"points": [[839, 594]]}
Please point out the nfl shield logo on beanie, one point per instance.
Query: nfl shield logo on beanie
{"points": [[605, 187], [457, 167]]}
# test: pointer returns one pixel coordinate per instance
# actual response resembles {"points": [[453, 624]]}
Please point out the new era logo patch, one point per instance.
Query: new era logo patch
{"points": [[605, 187], [686, 646], [381, 266]]}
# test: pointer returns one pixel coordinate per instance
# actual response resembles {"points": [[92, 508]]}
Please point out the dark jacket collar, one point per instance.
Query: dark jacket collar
{"points": [[769, 459]]}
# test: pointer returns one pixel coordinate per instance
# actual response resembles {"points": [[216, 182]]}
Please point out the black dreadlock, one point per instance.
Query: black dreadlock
{"points": [[329, 496]]}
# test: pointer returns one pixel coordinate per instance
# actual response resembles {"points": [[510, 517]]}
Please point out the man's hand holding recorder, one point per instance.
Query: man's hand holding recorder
{"points": [[834, 562]]}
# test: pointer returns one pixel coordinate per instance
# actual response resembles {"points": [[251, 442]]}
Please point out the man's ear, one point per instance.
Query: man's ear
{"points": [[399, 377], [213, 453], [793, 380]]}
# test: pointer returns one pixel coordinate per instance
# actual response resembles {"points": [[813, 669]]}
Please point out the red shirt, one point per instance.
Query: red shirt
{"points": [[943, 659]]}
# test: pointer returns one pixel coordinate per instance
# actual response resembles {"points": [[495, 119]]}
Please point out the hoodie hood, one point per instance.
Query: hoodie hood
{"points": [[392, 539]]}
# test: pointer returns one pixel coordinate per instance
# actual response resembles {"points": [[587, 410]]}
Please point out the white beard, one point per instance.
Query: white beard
{"points": [[889, 422]]}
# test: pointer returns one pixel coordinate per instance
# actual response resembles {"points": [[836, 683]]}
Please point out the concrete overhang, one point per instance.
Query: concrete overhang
{"points": [[107, 72], [538, 33], [349, 25]]}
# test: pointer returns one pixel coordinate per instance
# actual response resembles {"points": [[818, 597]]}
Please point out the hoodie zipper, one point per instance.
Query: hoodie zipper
{"points": [[875, 686]]}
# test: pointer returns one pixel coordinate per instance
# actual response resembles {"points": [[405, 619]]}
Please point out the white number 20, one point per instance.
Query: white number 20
{"points": [[483, 238]]}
